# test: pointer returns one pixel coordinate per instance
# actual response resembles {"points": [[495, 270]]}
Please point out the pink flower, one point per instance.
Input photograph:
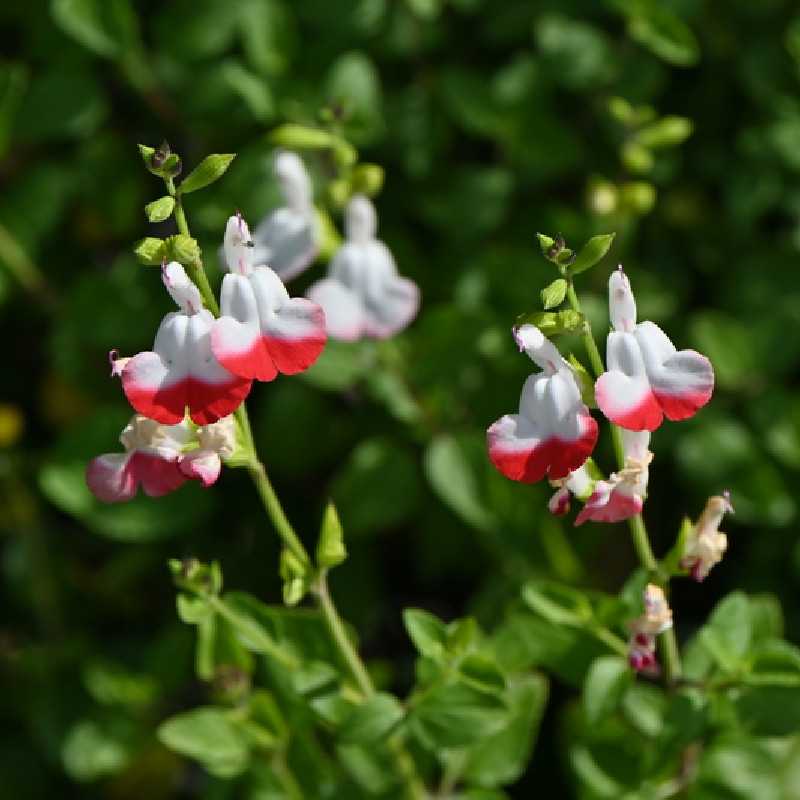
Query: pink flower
{"points": [[363, 295], [181, 370], [553, 433], [707, 544], [647, 378], [622, 495], [151, 460], [261, 330], [288, 238]]}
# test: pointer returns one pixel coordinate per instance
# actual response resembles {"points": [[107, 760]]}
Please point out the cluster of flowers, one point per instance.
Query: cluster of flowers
{"points": [[201, 369], [554, 435]]}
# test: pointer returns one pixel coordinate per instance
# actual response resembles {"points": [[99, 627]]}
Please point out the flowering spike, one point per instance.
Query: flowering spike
{"points": [[363, 296]]}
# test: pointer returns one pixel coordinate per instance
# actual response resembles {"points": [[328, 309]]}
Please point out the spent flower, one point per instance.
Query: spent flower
{"points": [[706, 544]]}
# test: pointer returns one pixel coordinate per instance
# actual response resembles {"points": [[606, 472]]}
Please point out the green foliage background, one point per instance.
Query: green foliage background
{"points": [[491, 119]]}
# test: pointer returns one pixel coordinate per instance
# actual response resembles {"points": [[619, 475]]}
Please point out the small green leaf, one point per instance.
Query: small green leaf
{"points": [[607, 681], [330, 547], [456, 714], [210, 169], [637, 158], [301, 137], [183, 249], [671, 563], [591, 253], [551, 323], [367, 179], [428, 632], [193, 610], [667, 132], [545, 242], [147, 154], [207, 735], [482, 670], [664, 33], [372, 721], [160, 209], [150, 251], [554, 294], [557, 603]]}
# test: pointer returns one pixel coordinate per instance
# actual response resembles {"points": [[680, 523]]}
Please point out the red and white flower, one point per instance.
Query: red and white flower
{"points": [[288, 238], [216, 442], [151, 460], [622, 495], [363, 295], [261, 330], [553, 433], [181, 371], [647, 377], [707, 544]]}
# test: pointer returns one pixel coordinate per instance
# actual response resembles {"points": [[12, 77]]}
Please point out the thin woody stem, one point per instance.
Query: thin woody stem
{"points": [[406, 767], [668, 643]]}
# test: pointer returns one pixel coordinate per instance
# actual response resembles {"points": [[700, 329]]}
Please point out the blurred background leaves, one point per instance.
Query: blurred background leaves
{"points": [[675, 124]]}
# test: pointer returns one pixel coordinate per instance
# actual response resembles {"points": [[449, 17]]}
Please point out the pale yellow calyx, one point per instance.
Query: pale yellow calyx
{"points": [[140, 433], [219, 437], [657, 616]]}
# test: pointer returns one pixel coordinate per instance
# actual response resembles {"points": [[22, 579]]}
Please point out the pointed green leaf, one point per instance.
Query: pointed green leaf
{"points": [[554, 294], [591, 253], [210, 169], [160, 209], [607, 680], [372, 721]]}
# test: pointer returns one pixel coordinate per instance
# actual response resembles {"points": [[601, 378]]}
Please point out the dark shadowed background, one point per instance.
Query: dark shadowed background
{"points": [[493, 119]]}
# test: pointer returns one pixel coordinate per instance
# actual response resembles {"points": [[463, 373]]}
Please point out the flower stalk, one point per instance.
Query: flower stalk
{"points": [[668, 643]]}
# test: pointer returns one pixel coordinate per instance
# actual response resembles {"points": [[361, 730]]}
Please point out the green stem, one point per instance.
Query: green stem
{"points": [[275, 511], [668, 643], [285, 777], [339, 635], [195, 269]]}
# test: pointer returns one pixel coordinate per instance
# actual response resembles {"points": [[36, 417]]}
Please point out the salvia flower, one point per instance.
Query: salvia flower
{"points": [[288, 238], [261, 330], [656, 619], [363, 295], [216, 442], [181, 371], [706, 543], [622, 495], [151, 460], [647, 377], [553, 433]]}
